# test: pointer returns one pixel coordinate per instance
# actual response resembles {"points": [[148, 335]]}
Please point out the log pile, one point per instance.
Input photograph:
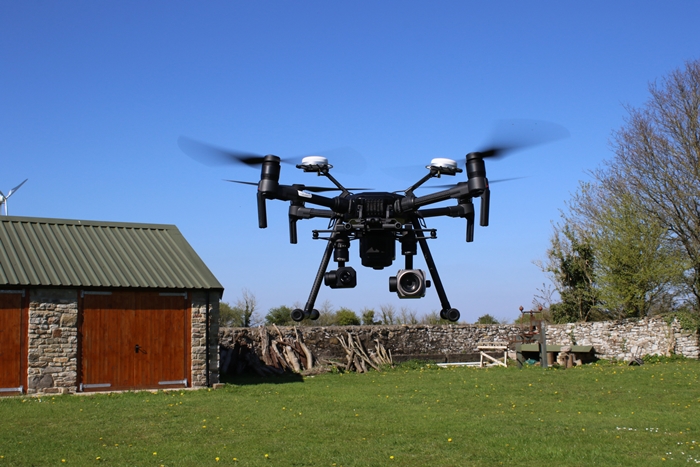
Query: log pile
{"points": [[271, 353], [285, 354], [277, 355], [357, 357]]}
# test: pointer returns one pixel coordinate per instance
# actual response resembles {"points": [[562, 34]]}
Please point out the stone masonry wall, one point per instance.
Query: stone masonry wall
{"points": [[625, 339], [52, 365], [199, 306], [620, 340]]}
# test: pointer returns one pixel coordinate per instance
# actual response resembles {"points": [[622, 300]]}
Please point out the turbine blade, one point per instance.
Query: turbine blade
{"points": [[16, 188]]}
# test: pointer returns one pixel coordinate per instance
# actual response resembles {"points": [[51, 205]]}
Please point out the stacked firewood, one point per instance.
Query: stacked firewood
{"points": [[278, 354], [359, 359], [284, 353]]}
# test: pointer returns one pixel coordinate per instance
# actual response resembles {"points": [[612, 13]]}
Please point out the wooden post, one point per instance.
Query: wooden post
{"points": [[543, 345]]}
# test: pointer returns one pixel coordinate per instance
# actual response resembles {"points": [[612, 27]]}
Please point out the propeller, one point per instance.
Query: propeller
{"points": [[212, 155], [311, 189], [515, 134], [452, 185], [349, 160]]}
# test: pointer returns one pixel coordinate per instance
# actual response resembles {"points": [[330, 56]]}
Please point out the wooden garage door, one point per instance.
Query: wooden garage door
{"points": [[134, 340], [10, 342]]}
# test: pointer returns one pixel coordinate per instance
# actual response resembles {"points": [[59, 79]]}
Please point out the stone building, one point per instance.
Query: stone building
{"points": [[100, 306]]}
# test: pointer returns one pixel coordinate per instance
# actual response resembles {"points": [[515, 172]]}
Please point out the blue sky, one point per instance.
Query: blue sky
{"points": [[94, 95]]}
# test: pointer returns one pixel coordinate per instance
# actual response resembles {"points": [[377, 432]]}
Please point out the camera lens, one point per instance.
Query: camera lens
{"points": [[345, 277], [410, 282]]}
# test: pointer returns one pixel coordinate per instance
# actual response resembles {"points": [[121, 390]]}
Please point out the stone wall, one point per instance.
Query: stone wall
{"points": [[625, 339], [52, 361], [199, 335], [449, 343]]}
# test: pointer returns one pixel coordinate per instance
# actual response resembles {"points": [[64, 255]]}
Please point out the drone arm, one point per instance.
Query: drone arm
{"points": [[298, 211], [411, 202], [465, 209], [449, 211], [485, 202], [262, 211], [291, 193]]}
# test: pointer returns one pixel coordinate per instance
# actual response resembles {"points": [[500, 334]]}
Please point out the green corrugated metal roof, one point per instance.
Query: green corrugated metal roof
{"points": [[59, 252]]}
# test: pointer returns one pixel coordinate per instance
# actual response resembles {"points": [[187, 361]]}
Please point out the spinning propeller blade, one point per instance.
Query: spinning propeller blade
{"points": [[512, 135], [348, 160], [311, 189], [452, 185], [212, 155]]}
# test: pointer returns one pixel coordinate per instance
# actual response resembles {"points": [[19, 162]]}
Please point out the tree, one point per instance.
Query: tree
{"points": [[487, 319], [630, 244], [346, 317], [227, 316], [635, 264], [657, 158], [407, 316], [326, 315], [281, 316], [434, 318], [368, 316], [242, 314], [571, 261], [388, 313]]}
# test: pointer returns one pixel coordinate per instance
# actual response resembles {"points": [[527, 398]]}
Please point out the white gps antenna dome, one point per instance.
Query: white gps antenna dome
{"points": [[443, 163], [314, 164], [314, 160]]}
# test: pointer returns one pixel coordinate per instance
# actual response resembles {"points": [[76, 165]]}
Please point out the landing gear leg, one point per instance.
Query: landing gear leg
{"points": [[309, 311], [447, 312]]}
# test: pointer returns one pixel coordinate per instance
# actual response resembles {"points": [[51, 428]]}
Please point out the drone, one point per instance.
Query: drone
{"points": [[377, 220]]}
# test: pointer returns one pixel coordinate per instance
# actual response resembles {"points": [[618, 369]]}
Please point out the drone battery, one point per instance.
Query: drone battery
{"points": [[377, 249]]}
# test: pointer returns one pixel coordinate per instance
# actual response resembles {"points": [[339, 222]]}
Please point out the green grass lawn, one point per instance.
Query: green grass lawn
{"points": [[413, 415]]}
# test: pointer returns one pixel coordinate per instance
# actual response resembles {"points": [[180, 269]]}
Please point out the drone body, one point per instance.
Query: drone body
{"points": [[379, 220]]}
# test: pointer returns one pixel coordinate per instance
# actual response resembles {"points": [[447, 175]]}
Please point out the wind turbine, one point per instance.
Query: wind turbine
{"points": [[3, 198]]}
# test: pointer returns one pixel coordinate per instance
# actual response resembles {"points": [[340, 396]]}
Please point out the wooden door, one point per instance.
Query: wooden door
{"points": [[11, 331], [134, 340], [161, 336], [106, 356]]}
